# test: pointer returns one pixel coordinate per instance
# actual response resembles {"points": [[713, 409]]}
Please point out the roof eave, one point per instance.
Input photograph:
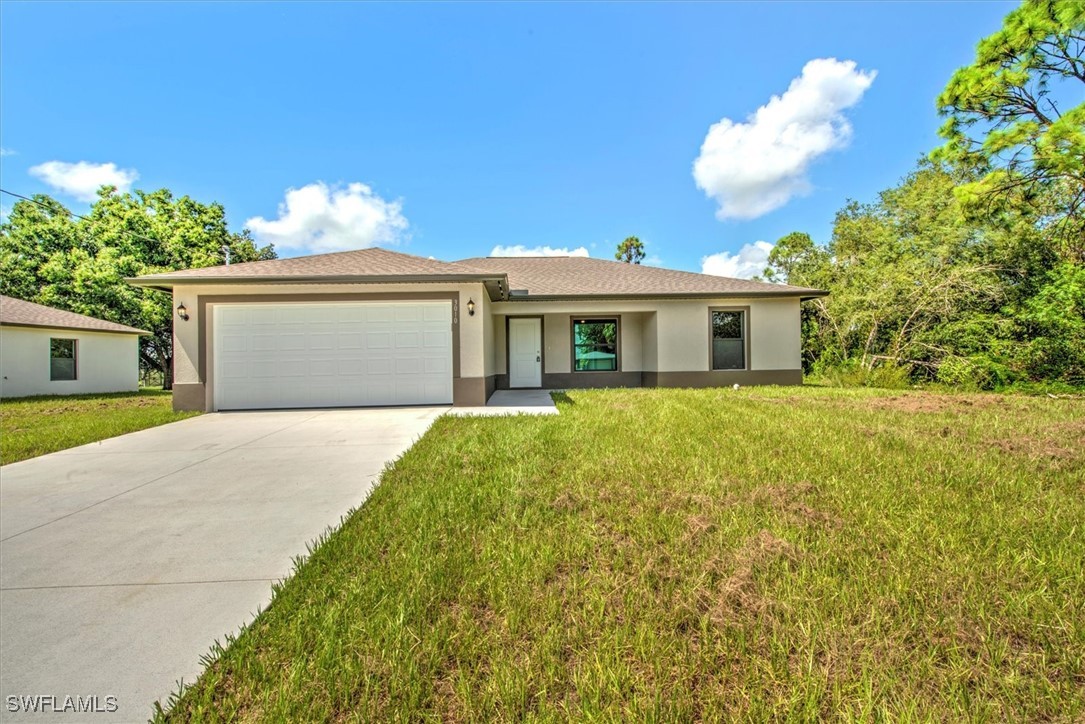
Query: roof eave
{"points": [[167, 283], [28, 325], [802, 294]]}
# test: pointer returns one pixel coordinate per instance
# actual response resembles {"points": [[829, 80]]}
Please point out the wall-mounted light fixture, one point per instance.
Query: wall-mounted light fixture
{"points": [[471, 307], [182, 312]]}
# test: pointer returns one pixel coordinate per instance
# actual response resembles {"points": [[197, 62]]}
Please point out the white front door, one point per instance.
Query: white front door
{"points": [[525, 352], [341, 354]]}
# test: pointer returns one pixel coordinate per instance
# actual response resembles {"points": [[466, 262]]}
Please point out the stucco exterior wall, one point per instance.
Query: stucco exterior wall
{"points": [[668, 335], [658, 337], [105, 362]]}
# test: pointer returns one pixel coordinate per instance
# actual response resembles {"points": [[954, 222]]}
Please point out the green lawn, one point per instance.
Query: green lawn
{"points": [[33, 426], [784, 553]]}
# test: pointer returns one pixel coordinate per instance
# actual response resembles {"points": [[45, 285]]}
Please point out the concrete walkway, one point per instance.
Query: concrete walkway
{"points": [[122, 561], [513, 402]]}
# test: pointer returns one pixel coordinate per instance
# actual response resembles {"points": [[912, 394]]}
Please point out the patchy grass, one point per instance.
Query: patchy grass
{"points": [[767, 553], [32, 426]]}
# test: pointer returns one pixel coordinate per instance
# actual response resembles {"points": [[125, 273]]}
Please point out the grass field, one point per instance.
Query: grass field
{"points": [[33, 426], [784, 553]]}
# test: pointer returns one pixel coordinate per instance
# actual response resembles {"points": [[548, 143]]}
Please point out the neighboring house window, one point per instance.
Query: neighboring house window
{"points": [[61, 359], [595, 345], [728, 340]]}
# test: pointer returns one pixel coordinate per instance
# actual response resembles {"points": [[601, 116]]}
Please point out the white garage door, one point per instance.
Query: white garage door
{"points": [[332, 355]]}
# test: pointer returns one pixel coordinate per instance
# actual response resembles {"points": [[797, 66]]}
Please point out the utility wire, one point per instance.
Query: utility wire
{"points": [[69, 212]]}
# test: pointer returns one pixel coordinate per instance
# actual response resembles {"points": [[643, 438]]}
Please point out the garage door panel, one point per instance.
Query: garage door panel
{"points": [[377, 367], [322, 355], [234, 317], [434, 365], [436, 314], [322, 341], [351, 340], [264, 342], [407, 313], [264, 369], [378, 340], [323, 368], [433, 338], [234, 371], [292, 342], [408, 366], [378, 313]]}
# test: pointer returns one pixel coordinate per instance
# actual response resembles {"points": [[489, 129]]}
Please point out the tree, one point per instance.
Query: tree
{"points": [[794, 256], [631, 251], [1004, 114], [51, 257]]}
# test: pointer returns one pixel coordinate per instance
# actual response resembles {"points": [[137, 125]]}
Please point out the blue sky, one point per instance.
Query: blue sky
{"points": [[452, 129]]}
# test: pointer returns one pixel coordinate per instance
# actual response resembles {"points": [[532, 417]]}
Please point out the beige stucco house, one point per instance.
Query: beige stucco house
{"points": [[47, 351], [376, 327]]}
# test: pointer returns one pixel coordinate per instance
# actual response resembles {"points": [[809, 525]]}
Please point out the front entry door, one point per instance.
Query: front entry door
{"points": [[525, 352]]}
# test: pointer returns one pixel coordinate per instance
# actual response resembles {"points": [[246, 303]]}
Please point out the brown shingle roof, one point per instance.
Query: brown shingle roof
{"points": [[540, 277], [18, 313], [577, 276], [374, 262]]}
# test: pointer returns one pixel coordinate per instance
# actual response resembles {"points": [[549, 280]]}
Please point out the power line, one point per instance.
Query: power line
{"points": [[69, 212]]}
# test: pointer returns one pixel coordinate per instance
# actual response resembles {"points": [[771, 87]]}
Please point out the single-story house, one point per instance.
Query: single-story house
{"points": [[377, 327], [46, 351]]}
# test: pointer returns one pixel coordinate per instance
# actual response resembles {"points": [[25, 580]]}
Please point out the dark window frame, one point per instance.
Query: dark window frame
{"points": [[746, 326], [585, 318], [74, 358]]}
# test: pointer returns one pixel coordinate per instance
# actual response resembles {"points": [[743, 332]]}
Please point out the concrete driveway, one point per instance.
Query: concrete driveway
{"points": [[121, 562]]}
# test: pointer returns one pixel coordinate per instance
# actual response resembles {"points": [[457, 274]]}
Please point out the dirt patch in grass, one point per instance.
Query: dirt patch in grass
{"points": [[790, 500], [935, 403], [1035, 449], [738, 595]]}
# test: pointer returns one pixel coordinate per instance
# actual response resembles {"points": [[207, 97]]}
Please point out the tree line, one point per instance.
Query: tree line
{"points": [[971, 271]]}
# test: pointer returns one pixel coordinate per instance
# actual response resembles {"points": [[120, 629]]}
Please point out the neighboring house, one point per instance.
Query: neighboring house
{"points": [[46, 351], [376, 327]]}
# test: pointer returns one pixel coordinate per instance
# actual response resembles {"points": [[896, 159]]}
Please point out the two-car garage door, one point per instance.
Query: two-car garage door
{"points": [[332, 355]]}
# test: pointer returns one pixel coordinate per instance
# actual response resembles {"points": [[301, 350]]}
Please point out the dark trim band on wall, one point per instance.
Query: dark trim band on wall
{"points": [[205, 321], [469, 392], [189, 396], [722, 378], [594, 380]]}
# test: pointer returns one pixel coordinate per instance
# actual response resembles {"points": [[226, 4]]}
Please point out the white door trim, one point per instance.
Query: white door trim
{"points": [[525, 352]]}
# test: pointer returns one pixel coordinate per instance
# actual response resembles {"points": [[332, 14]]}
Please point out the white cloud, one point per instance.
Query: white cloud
{"points": [[320, 218], [521, 250], [748, 262], [82, 180], [754, 167], [7, 152]]}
